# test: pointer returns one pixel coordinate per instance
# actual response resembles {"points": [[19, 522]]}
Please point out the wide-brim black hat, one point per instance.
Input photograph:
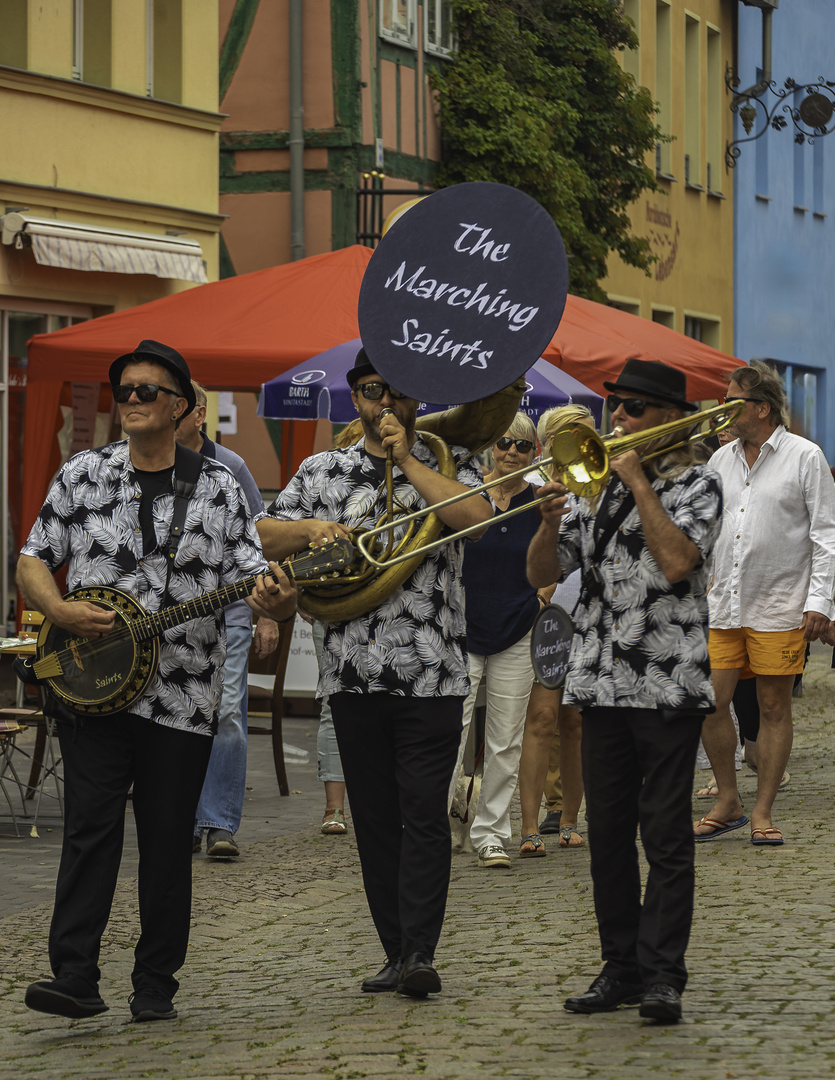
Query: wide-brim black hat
{"points": [[158, 353], [362, 366], [653, 379]]}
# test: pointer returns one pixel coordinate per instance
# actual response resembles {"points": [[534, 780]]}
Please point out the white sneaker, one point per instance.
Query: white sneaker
{"points": [[490, 856]]}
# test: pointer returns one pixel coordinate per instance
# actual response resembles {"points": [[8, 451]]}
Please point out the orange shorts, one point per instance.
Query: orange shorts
{"points": [[782, 652]]}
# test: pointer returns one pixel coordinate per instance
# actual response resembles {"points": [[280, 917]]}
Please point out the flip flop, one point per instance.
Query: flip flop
{"points": [[719, 827], [766, 837], [710, 791], [538, 847]]}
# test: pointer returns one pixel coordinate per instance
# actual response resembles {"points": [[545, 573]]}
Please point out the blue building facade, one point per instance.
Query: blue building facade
{"points": [[784, 191]]}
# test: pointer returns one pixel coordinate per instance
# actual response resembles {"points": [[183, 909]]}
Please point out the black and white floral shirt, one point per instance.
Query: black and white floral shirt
{"points": [[414, 643], [90, 521], [640, 642]]}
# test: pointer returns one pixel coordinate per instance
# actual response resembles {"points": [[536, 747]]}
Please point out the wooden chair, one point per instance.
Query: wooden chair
{"points": [[274, 665]]}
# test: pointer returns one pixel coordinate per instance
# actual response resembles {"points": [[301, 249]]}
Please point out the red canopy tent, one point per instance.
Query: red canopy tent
{"points": [[238, 333]]}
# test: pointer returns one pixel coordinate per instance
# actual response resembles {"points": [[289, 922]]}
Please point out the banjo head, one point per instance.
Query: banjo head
{"points": [[99, 677]]}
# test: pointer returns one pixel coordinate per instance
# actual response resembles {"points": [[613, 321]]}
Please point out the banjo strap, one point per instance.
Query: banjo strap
{"points": [[187, 466]]}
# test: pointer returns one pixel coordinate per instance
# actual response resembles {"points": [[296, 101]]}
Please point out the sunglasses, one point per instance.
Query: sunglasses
{"points": [[373, 391], [634, 407], [524, 446], [731, 400], [145, 392]]}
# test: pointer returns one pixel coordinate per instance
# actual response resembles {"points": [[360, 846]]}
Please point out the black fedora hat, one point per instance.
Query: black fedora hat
{"points": [[653, 379], [158, 353], [362, 366]]}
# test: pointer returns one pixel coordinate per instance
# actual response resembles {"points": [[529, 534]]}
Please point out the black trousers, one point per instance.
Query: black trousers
{"points": [[102, 758], [398, 755], [638, 770]]}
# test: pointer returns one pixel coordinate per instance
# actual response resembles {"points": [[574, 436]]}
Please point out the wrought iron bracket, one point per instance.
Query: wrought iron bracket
{"points": [[812, 118]]}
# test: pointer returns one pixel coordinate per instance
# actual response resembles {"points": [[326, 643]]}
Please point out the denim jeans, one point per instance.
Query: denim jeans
{"points": [[329, 763], [222, 799]]}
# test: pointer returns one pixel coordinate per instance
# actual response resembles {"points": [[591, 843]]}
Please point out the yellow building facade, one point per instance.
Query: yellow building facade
{"points": [[683, 51], [108, 182]]}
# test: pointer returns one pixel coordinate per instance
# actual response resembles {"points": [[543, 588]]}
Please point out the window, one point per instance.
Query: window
{"points": [[665, 317], [703, 329], [14, 35], [663, 83], [164, 49], [692, 102], [91, 41], [715, 86], [632, 57], [398, 21], [800, 151], [437, 21]]}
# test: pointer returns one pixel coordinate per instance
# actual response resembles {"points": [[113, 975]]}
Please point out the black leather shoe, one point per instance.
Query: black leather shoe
{"points": [[661, 1002], [418, 977], [551, 822], [604, 995], [386, 978], [64, 997]]}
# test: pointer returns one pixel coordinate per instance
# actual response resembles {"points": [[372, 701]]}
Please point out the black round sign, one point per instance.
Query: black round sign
{"points": [[463, 293], [551, 639]]}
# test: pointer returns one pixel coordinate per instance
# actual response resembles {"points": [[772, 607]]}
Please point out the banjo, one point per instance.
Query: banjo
{"points": [[100, 677]]}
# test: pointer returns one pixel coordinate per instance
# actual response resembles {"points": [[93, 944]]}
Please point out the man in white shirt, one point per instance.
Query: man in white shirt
{"points": [[773, 581]]}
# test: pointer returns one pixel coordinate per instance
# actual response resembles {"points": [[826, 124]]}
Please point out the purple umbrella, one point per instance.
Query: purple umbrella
{"points": [[317, 390]]}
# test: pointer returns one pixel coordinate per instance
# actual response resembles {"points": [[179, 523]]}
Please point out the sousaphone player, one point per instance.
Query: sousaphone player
{"points": [[396, 676]]}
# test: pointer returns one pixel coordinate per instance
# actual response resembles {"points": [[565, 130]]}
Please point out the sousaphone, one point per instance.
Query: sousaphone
{"points": [[460, 298]]}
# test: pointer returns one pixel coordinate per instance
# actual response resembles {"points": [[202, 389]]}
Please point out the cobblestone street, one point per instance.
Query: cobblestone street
{"points": [[281, 941]]}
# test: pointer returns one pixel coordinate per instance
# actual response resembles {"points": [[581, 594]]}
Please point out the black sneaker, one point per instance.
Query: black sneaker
{"points": [[151, 1003], [64, 997], [221, 845]]}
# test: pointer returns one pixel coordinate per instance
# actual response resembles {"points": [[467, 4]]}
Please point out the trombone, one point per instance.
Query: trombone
{"points": [[580, 461]]}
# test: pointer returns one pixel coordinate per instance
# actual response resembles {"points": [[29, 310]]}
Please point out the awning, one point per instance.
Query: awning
{"points": [[75, 246]]}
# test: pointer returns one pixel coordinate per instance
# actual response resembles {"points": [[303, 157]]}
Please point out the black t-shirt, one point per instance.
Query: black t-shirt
{"points": [[152, 484]]}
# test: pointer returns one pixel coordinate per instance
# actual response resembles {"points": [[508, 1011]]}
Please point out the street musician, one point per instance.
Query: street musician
{"points": [[640, 675], [396, 677]]}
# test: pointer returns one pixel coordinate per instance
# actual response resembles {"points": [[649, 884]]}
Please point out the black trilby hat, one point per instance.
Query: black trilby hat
{"points": [[362, 366], [654, 379], [158, 354]]}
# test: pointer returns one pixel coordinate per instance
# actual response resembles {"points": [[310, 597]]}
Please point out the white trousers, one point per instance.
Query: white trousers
{"points": [[509, 678]]}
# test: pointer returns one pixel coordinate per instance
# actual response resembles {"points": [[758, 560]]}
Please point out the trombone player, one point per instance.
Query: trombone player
{"points": [[397, 676], [640, 675]]}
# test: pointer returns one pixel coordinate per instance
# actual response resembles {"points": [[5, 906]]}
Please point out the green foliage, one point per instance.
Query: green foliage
{"points": [[535, 98]]}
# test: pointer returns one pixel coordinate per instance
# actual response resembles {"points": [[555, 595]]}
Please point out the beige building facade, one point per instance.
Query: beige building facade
{"points": [[684, 47], [108, 184]]}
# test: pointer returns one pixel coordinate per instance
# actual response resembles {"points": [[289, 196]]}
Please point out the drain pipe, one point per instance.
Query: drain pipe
{"points": [[296, 142]]}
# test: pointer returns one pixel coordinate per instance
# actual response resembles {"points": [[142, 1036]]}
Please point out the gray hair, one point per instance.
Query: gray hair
{"points": [[522, 427], [763, 381]]}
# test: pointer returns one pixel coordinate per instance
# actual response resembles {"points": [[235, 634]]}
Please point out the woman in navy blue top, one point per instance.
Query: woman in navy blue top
{"points": [[501, 608]]}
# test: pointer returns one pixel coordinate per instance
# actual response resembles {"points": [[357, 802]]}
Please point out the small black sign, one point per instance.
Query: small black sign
{"points": [[551, 639], [463, 293]]}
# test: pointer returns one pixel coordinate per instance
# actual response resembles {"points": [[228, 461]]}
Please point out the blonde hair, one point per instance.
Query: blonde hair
{"points": [[350, 434], [552, 421], [199, 394], [559, 417]]}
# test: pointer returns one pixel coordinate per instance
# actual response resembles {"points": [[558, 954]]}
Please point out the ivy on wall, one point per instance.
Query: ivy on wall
{"points": [[535, 97]]}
